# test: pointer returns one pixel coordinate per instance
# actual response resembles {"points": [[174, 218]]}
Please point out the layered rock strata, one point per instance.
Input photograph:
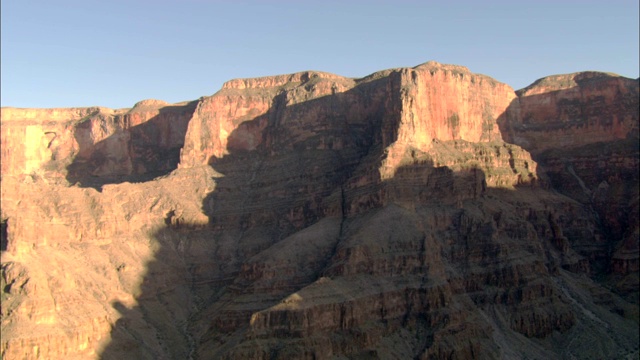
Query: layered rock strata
{"points": [[94, 145], [414, 213], [583, 130]]}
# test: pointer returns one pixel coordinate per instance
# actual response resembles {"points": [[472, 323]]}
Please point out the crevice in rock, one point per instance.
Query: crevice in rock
{"points": [[4, 235]]}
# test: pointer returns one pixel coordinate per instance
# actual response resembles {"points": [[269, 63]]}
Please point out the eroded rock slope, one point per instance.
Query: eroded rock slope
{"points": [[423, 212]]}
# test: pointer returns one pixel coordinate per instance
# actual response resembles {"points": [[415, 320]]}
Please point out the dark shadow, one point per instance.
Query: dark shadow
{"points": [[4, 241], [262, 196], [585, 140], [133, 153], [158, 326], [316, 162]]}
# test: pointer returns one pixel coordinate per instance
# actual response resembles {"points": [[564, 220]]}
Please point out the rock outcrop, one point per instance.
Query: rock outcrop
{"points": [[423, 212], [574, 110], [583, 130], [94, 145]]}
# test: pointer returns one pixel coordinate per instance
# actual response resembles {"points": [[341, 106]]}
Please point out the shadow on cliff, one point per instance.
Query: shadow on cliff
{"points": [[159, 325], [308, 151], [261, 196], [132, 153], [314, 161], [579, 144], [306, 168]]}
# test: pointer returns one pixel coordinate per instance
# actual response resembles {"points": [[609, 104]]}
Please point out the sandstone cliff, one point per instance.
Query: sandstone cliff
{"points": [[95, 145], [583, 129], [423, 212]]}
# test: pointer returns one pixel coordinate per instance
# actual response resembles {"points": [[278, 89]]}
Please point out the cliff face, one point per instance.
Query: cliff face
{"points": [[583, 130], [414, 213], [95, 145], [569, 111], [412, 106]]}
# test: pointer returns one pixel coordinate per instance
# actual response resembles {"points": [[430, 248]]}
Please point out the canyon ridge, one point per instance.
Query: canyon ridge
{"points": [[415, 213]]}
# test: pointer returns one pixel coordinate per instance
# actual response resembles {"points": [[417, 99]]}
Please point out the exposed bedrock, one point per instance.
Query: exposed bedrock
{"points": [[94, 146], [424, 212], [582, 129]]}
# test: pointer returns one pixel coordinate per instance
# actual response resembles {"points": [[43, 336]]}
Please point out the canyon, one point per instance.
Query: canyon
{"points": [[425, 213]]}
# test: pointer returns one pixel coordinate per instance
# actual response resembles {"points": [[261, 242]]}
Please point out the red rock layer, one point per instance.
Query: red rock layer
{"points": [[583, 129], [316, 216], [568, 111], [93, 143]]}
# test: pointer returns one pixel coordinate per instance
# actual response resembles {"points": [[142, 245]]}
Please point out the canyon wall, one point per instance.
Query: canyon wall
{"points": [[94, 145], [573, 110], [583, 129], [423, 212]]}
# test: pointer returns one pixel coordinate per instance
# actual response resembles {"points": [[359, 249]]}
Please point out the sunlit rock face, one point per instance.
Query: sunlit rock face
{"points": [[573, 110], [94, 145], [423, 212]]}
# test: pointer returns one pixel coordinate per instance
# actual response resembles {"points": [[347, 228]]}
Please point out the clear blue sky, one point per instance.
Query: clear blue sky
{"points": [[114, 53]]}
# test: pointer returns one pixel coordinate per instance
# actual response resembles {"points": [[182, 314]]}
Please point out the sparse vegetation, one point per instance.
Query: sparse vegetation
{"points": [[453, 121]]}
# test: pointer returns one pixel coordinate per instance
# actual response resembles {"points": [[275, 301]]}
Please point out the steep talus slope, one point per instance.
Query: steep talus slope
{"points": [[317, 216], [75, 259]]}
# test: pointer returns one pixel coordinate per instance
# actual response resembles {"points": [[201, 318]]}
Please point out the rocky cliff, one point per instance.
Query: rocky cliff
{"points": [[583, 129], [94, 145], [423, 212]]}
